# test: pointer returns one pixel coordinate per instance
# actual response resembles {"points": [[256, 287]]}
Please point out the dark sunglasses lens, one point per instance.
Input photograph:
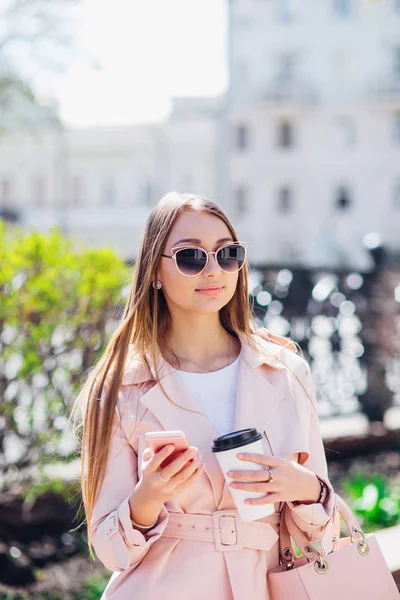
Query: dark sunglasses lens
{"points": [[191, 261], [231, 258]]}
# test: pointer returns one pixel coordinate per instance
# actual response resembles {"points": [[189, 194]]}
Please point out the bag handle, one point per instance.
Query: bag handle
{"points": [[331, 533]]}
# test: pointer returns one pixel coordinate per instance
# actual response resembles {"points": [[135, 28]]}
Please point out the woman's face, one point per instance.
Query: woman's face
{"points": [[182, 292]]}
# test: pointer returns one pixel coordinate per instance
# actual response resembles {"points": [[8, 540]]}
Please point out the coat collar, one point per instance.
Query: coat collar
{"points": [[256, 401], [136, 372]]}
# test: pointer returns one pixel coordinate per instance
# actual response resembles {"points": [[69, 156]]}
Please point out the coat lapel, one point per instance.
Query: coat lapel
{"points": [[256, 401]]}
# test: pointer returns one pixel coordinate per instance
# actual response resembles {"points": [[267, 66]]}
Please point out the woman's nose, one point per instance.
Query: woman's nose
{"points": [[212, 265]]}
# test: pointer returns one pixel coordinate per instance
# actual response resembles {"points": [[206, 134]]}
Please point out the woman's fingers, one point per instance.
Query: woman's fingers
{"points": [[251, 475], [146, 454], [187, 471], [261, 459], [267, 499], [176, 465], [252, 486], [161, 455], [198, 470]]}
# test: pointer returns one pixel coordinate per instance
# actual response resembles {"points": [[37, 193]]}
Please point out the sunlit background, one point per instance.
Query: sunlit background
{"points": [[143, 54], [287, 113]]}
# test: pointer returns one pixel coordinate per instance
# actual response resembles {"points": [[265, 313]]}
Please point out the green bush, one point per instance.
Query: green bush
{"points": [[93, 587], [57, 304], [373, 499]]}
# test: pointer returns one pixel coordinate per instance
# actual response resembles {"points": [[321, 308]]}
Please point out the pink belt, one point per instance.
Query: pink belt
{"points": [[225, 528]]}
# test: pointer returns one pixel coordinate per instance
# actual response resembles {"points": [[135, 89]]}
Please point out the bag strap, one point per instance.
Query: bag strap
{"points": [[331, 533]]}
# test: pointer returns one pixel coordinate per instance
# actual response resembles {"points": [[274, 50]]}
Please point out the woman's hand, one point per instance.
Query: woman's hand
{"points": [[151, 492], [180, 473], [291, 481]]}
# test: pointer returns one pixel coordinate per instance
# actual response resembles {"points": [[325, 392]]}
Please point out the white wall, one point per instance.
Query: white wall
{"points": [[339, 62], [99, 184]]}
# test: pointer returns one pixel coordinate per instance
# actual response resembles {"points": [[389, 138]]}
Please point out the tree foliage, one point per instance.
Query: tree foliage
{"points": [[57, 306], [35, 35]]}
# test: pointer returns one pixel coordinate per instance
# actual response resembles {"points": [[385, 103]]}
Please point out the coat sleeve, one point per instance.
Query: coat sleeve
{"points": [[117, 543], [312, 518]]}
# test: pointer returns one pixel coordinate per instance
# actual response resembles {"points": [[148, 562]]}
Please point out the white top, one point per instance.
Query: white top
{"points": [[215, 394]]}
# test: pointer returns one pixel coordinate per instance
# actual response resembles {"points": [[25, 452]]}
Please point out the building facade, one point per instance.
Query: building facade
{"points": [[303, 150], [99, 184], [313, 115]]}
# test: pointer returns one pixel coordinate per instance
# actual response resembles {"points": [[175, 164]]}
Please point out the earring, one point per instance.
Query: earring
{"points": [[159, 284]]}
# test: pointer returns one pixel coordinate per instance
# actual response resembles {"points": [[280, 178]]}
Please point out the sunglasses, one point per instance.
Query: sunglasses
{"points": [[192, 260]]}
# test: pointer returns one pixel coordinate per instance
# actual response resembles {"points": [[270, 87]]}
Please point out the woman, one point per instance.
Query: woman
{"points": [[186, 357]]}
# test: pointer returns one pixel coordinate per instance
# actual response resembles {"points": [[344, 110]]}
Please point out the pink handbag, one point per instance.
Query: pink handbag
{"points": [[344, 568]]}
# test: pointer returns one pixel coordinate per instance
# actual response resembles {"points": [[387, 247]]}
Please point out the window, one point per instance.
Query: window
{"points": [[396, 61], [341, 65], [344, 132], [5, 191], [76, 190], [147, 191], [242, 137], [39, 191], [108, 192], [284, 10], [343, 200], [285, 134], [396, 128], [342, 8], [286, 67], [396, 198], [285, 200], [241, 199]]}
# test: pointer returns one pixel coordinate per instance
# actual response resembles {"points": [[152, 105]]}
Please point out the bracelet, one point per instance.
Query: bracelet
{"points": [[322, 494], [143, 526], [323, 489]]}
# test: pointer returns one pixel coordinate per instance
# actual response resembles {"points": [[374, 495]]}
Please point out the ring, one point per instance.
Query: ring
{"points": [[163, 477], [270, 475]]}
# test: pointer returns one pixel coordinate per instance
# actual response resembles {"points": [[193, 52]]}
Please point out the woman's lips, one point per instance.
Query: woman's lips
{"points": [[211, 292]]}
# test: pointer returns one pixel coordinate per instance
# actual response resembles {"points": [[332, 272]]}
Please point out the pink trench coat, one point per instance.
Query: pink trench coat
{"points": [[154, 566]]}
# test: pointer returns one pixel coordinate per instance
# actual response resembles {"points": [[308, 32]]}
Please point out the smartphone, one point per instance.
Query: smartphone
{"points": [[158, 439]]}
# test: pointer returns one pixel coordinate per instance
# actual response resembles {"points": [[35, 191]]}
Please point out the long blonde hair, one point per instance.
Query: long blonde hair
{"points": [[144, 324]]}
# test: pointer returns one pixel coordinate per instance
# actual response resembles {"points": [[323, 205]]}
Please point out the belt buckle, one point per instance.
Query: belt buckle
{"points": [[227, 527]]}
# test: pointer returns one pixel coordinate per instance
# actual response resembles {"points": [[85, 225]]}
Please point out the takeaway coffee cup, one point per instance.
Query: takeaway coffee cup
{"points": [[226, 447]]}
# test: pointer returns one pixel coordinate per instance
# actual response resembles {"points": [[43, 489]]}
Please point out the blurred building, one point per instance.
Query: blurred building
{"points": [[100, 183], [303, 151], [313, 123]]}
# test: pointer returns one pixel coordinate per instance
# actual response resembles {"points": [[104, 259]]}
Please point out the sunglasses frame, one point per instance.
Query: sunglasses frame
{"points": [[176, 249]]}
